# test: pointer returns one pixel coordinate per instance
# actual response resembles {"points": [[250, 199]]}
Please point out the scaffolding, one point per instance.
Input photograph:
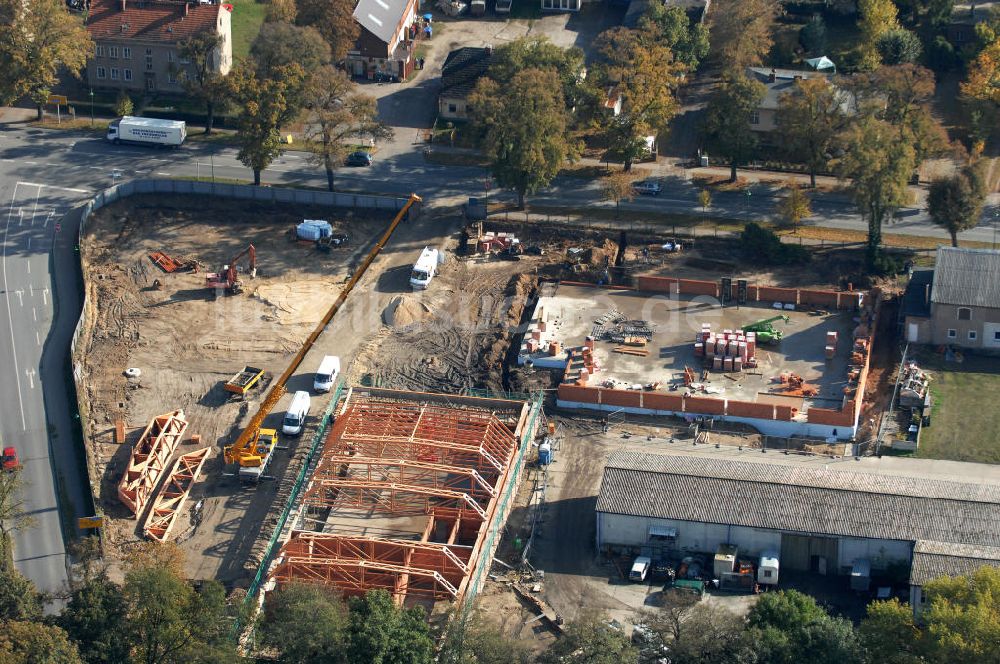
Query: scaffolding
{"points": [[173, 494], [437, 465], [149, 459]]}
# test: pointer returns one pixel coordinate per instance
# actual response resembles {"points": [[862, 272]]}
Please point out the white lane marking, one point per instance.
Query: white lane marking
{"points": [[10, 318], [31, 290], [20, 296], [38, 339], [29, 263], [45, 298], [52, 186], [34, 314], [48, 217], [30, 373], [162, 173]]}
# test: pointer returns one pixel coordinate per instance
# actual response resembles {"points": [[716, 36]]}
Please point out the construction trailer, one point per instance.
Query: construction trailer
{"points": [[409, 495]]}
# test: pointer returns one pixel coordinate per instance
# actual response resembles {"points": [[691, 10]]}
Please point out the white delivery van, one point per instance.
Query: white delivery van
{"points": [[424, 269], [147, 131], [327, 374], [295, 416], [640, 568]]}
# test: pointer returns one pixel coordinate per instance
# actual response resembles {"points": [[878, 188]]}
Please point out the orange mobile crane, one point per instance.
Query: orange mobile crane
{"points": [[253, 449], [228, 278]]}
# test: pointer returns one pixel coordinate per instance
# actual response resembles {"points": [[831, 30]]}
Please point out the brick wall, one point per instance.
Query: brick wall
{"points": [[763, 411], [654, 401], [771, 294], [621, 398], [704, 406], [819, 297], [837, 418]]}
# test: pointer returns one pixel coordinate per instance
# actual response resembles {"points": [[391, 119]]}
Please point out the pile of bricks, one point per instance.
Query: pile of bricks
{"points": [[727, 350]]}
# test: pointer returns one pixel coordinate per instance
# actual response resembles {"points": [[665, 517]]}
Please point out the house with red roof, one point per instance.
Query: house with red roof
{"points": [[137, 42]]}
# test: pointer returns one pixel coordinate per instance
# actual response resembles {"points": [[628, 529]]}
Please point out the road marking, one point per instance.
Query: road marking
{"points": [[45, 298], [10, 318], [20, 296], [52, 186], [162, 173], [31, 290], [51, 214], [38, 339], [30, 373], [34, 314], [28, 245], [29, 262]]}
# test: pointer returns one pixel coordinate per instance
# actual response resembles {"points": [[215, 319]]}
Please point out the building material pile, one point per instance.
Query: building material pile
{"points": [[728, 350], [913, 386], [615, 326], [149, 459], [173, 494]]}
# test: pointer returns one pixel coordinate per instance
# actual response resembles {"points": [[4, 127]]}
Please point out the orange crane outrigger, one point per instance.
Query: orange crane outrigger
{"points": [[228, 278]]}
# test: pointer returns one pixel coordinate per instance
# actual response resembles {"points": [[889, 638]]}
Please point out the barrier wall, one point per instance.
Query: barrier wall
{"points": [[755, 293]]}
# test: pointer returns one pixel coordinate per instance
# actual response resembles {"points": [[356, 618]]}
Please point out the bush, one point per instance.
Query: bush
{"points": [[765, 247], [900, 46], [941, 54], [123, 105]]}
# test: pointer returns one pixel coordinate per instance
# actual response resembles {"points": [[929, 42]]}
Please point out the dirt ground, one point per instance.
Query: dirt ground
{"points": [[185, 342]]}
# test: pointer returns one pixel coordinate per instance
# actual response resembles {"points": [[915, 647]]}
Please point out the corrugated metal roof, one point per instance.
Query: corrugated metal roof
{"points": [[934, 559], [788, 498], [381, 17], [968, 277]]}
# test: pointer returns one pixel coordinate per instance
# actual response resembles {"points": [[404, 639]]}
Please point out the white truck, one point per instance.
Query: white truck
{"points": [[424, 269], [147, 131]]}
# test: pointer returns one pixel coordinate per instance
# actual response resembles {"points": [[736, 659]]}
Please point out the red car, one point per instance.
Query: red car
{"points": [[9, 459]]}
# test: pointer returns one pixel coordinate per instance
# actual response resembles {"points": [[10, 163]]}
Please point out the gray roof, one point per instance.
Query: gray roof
{"points": [[380, 17], [784, 81], [968, 277], [915, 300], [775, 496], [934, 559]]}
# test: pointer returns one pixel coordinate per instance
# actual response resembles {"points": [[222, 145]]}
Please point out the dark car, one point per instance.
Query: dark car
{"points": [[359, 158]]}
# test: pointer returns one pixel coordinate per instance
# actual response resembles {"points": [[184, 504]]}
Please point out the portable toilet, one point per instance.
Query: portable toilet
{"points": [[767, 569], [725, 560], [545, 453], [861, 575]]}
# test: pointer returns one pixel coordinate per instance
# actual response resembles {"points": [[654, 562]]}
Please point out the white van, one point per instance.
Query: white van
{"points": [[295, 416], [327, 374], [424, 269]]}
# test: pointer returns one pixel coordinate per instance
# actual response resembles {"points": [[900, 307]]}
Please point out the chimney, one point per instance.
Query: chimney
{"points": [[187, 8], [772, 76], [123, 5]]}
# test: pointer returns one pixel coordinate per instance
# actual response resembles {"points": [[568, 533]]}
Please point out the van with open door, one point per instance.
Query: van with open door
{"points": [[295, 416]]}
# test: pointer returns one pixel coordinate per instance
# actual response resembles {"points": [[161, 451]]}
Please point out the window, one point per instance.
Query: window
{"points": [[127, 74], [952, 334], [101, 73], [996, 336], [113, 52], [755, 117], [452, 108], [768, 573], [149, 63], [964, 313], [99, 51], [170, 56], [149, 51], [171, 77], [114, 74], [126, 52], [972, 335]]}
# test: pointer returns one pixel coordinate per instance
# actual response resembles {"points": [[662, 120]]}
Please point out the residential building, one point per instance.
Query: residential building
{"points": [[137, 43], [961, 30], [776, 83], [461, 71], [958, 302], [825, 515], [388, 32]]}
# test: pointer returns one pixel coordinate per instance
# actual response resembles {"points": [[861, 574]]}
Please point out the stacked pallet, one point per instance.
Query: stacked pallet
{"points": [[728, 350]]}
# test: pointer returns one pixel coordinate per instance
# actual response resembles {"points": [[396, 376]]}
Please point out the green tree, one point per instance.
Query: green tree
{"points": [[200, 78], [877, 18], [382, 633], [888, 634], [477, 642], [906, 92], [95, 619], [810, 116], [305, 623], [788, 627], [794, 206], [281, 47], [813, 36], [706, 634], [673, 28], [35, 643], [335, 21], [524, 129], [536, 52], [38, 40], [898, 46], [590, 640], [618, 187], [963, 620], [741, 32], [647, 78], [879, 167], [727, 125], [336, 113], [123, 104], [925, 16], [955, 203], [13, 516], [262, 107], [19, 599]]}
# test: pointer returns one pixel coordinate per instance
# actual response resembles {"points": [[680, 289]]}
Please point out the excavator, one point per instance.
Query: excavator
{"points": [[228, 278], [765, 331]]}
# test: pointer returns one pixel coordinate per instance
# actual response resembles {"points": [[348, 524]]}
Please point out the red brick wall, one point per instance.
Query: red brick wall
{"points": [[848, 300], [695, 287], [835, 418], [785, 413], [620, 398], [656, 284], [763, 411], [818, 297], [576, 393], [655, 401], [704, 406], [771, 294]]}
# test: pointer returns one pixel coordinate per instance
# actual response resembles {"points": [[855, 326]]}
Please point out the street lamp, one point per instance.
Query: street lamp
{"points": [[91, 108], [748, 193]]}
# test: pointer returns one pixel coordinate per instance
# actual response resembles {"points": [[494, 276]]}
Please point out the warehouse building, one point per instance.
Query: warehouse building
{"points": [[823, 514]]}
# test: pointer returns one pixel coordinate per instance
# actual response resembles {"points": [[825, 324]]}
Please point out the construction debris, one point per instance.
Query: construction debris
{"points": [[170, 500], [170, 264], [149, 459]]}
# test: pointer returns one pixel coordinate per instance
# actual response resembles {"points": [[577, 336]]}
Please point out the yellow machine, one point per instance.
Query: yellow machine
{"points": [[255, 457]]}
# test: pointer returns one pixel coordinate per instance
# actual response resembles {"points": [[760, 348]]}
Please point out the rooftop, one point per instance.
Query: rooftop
{"points": [[152, 20], [462, 70], [380, 17], [916, 299], [967, 277]]}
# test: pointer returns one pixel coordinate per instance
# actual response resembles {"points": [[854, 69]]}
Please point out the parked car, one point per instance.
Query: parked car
{"points": [[647, 187], [359, 158], [9, 459]]}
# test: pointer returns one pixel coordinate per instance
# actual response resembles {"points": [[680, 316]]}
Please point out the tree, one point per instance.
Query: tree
{"points": [[673, 28], [898, 46], [727, 124], [618, 187], [982, 84], [906, 91], [524, 129], [475, 642], [813, 36], [590, 640], [13, 516], [963, 620], [305, 623], [955, 203], [705, 635], [40, 40], [337, 112], [19, 599], [35, 643], [281, 46], [262, 107], [925, 16], [740, 32], [810, 116], [877, 18], [123, 104], [795, 205], [201, 79], [382, 633], [95, 619], [334, 19], [888, 634], [540, 53], [646, 77], [704, 199], [281, 11], [787, 627], [879, 166]]}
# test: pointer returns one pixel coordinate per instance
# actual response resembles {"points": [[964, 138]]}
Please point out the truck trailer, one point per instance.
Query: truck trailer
{"points": [[147, 131]]}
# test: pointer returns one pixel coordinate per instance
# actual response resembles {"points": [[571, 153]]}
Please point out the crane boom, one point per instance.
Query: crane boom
{"points": [[246, 443]]}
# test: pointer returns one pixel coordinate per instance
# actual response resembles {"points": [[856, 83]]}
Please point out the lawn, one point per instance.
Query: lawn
{"points": [[965, 422], [248, 16]]}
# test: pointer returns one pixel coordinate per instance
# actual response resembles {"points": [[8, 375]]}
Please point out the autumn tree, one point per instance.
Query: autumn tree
{"points": [[704, 199], [280, 46], [879, 167], [379, 632], [334, 19], [336, 113], [727, 125], [13, 515], [305, 623], [955, 203], [123, 104], [644, 74], [590, 640], [201, 78], [877, 18], [906, 91], [537, 52], [810, 117], [888, 634], [699, 634], [281, 11], [794, 206], [39, 40], [618, 187], [95, 618], [672, 28], [19, 599], [36, 643], [981, 87], [524, 129], [262, 106], [741, 32], [963, 618]]}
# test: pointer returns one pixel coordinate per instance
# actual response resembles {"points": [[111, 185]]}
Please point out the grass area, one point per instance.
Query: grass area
{"points": [[99, 127], [248, 16], [964, 427], [456, 159], [894, 240]]}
